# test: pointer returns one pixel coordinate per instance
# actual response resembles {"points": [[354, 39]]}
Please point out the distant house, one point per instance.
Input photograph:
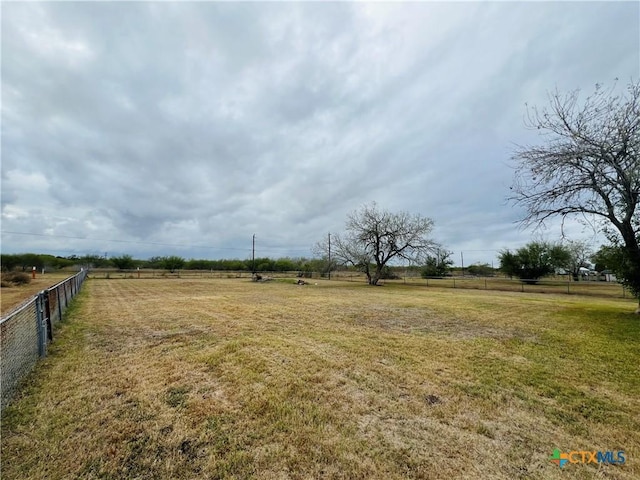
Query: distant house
{"points": [[587, 274], [608, 276]]}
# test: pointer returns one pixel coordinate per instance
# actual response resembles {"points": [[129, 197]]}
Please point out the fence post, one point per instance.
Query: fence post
{"points": [[47, 314], [59, 306], [42, 338]]}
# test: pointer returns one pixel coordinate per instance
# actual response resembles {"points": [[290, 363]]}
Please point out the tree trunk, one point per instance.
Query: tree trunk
{"points": [[632, 269], [376, 276], [367, 272]]}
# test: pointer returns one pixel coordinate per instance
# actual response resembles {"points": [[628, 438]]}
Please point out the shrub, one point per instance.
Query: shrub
{"points": [[16, 278], [388, 274], [481, 269]]}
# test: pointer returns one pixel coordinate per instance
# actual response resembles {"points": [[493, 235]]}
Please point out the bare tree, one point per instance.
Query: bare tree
{"points": [[587, 166], [580, 254], [375, 238]]}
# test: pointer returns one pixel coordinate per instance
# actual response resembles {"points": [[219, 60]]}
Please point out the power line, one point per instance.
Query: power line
{"points": [[134, 242], [487, 250], [157, 244]]}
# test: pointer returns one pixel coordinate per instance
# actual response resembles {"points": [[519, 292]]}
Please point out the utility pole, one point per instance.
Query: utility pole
{"points": [[462, 260], [329, 255], [253, 254]]}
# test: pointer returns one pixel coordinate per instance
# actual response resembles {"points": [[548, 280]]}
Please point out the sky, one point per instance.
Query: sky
{"points": [[174, 128]]}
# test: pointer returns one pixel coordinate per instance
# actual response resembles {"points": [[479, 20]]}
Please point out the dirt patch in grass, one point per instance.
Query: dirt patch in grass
{"points": [[412, 320], [231, 379]]}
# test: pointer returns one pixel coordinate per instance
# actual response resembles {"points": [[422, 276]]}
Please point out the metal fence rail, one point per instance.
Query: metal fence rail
{"points": [[26, 331]]}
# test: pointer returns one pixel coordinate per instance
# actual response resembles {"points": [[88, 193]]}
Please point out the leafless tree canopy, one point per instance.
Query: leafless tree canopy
{"points": [[589, 162], [376, 237], [587, 165]]}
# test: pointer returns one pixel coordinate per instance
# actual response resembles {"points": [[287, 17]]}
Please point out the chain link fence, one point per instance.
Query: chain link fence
{"points": [[26, 331]]}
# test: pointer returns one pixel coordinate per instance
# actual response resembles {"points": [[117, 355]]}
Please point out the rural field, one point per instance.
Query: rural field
{"points": [[15, 295], [225, 378]]}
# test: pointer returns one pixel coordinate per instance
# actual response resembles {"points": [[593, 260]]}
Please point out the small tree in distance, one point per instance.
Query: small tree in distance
{"points": [[437, 266], [533, 261], [579, 255], [123, 262], [173, 263], [609, 257], [374, 238]]}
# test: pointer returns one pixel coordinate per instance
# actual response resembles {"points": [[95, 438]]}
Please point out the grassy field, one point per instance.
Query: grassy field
{"points": [[558, 284], [14, 296], [225, 378]]}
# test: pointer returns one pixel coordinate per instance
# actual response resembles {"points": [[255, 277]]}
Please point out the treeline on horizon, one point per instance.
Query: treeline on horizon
{"points": [[26, 261]]}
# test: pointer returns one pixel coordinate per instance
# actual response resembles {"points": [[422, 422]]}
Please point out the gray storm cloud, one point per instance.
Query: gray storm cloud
{"points": [[200, 124]]}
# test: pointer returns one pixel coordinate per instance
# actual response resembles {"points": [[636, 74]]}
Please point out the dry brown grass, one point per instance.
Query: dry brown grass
{"points": [[232, 379], [557, 286], [14, 296]]}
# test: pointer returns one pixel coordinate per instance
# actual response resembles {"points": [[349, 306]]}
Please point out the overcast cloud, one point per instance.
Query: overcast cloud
{"points": [[185, 128]]}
